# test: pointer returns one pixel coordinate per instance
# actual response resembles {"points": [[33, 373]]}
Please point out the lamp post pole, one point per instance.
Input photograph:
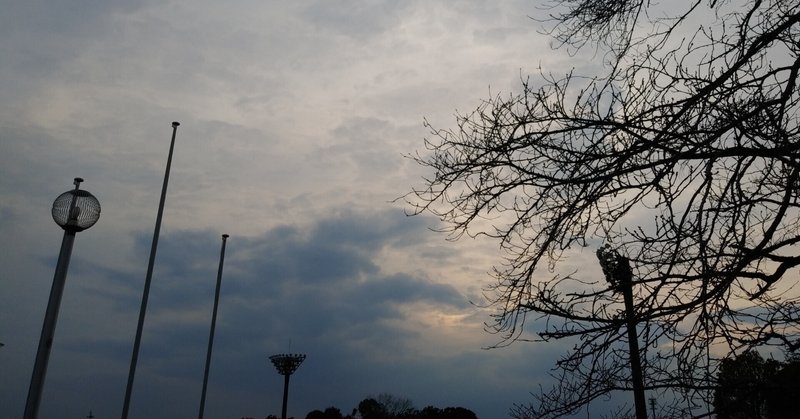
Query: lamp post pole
{"points": [[213, 326], [74, 211], [617, 270], [286, 364], [148, 277]]}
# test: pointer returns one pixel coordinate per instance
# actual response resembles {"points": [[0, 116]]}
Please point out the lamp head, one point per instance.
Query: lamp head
{"points": [[287, 364], [76, 210]]}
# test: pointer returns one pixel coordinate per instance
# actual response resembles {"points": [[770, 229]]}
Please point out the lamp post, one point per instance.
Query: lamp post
{"points": [[213, 326], [74, 211], [286, 364], [617, 270]]}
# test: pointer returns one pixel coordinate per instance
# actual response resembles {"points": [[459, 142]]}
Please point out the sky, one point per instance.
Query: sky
{"points": [[295, 120]]}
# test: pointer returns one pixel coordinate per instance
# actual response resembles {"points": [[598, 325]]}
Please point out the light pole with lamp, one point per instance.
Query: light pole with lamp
{"points": [[286, 364], [74, 211], [617, 269]]}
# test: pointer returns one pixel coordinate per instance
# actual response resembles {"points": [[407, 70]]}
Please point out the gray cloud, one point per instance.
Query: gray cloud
{"points": [[355, 18]]}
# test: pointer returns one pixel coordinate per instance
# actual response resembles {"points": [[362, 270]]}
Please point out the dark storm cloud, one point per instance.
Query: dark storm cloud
{"points": [[320, 288], [316, 288], [330, 272]]}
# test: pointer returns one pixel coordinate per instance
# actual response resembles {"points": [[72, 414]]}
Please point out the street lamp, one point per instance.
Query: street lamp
{"points": [[74, 211], [617, 269], [286, 364]]}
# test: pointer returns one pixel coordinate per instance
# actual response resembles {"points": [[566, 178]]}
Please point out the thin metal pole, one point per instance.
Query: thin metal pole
{"points": [[51, 313], [213, 326], [138, 340], [48, 328], [617, 270], [285, 395], [633, 344]]}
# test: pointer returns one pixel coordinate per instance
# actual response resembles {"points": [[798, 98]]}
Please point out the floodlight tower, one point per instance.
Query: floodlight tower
{"points": [[617, 269], [286, 364], [74, 210]]}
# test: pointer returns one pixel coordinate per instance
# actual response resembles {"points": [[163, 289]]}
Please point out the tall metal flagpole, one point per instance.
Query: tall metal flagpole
{"points": [[138, 340], [213, 325]]}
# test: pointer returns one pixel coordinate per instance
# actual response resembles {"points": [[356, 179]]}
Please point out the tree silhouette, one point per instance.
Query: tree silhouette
{"points": [[783, 394], [742, 387], [395, 406], [749, 387], [457, 413], [387, 406], [370, 409], [329, 413], [430, 412], [682, 151]]}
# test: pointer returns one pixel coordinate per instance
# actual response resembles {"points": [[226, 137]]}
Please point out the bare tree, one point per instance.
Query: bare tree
{"points": [[682, 152], [395, 406]]}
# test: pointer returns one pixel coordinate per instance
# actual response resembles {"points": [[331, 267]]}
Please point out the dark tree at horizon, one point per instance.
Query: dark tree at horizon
{"points": [[750, 387], [741, 391], [329, 413], [369, 408], [681, 151], [387, 406]]}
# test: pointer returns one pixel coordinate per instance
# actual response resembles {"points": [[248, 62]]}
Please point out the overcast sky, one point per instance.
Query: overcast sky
{"points": [[295, 117]]}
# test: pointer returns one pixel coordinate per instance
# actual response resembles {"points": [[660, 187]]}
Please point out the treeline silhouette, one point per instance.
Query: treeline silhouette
{"points": [[387, 406], [751, 387]]}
